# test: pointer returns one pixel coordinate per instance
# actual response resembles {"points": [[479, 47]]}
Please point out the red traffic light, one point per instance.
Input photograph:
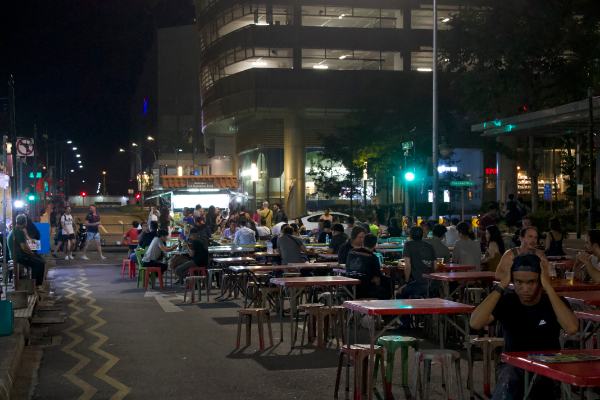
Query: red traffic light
{"points": [[83, 194], [137, 196]]}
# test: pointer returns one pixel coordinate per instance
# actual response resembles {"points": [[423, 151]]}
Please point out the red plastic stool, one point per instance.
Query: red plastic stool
{"points": [[131, 265], [159, 273]]}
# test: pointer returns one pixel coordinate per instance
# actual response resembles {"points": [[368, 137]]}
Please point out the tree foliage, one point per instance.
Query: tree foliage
{"points": [[523, 53]]}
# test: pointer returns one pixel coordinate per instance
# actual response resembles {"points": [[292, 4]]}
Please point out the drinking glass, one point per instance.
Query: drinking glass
{"points": [[570, 275]]}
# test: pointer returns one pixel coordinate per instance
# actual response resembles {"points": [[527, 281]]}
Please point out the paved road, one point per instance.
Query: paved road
{"points": [[114, 222], [122, 342]]}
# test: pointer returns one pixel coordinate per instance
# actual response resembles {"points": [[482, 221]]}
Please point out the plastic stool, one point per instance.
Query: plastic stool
{"points": [[489, 346], [319, 314], [128, 264], [443, 357], [193, 271], [304, 307], [260, 313], [391, 344], [360, 354], [192, 282], [160, 277]]}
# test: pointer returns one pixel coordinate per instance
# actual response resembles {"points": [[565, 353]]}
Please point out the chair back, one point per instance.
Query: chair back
{"points": [[139, 253]]}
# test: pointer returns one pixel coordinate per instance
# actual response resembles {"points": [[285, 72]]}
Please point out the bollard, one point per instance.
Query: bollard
{"points": [[18, 299]]}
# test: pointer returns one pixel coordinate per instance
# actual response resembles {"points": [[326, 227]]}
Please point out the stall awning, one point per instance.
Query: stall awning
{"points": [[198, 181]]}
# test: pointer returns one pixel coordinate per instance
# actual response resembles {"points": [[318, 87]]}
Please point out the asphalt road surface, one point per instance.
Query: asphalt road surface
{"points": [[114, 222], [119, 341]]}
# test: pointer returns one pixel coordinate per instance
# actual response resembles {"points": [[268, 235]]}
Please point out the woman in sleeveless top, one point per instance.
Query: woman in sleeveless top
{"points": [[554, 239], [495, 249]]}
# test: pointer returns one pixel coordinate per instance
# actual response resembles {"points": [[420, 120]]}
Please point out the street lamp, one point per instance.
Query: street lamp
{"points": [[74, 148], [148, 147], [104, 183], [150, 138], [133, 152]]}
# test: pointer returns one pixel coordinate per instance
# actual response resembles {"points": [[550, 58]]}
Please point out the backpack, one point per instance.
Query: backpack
{"points": [[263, 220]]}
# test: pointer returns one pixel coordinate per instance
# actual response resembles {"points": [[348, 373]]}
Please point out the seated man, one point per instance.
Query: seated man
{"points": [[244, 235], [531, 320], [156, 250], [290, 246], [529, 242], [339, 238], [419, 259], [229, 233], [441, 250], [317, 231], [17, 242], [198, 251], [592, 247], [325, 232], [363, 264]]}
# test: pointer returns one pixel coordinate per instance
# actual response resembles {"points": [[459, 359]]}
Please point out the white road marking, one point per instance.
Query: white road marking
{"points": [[164, 302], [105, 231]]}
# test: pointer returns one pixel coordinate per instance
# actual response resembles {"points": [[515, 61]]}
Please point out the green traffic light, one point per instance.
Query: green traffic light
{"points": [[31, 198], [409, 176]]}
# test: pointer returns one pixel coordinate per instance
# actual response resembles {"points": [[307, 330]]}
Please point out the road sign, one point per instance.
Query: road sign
{"points": [[580, 190], [25, 147], [407, 145], [462, 183], [547, 191]]}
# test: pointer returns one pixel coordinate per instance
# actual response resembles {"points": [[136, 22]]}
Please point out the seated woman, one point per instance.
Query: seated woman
{"points": [[495, 249], [554, 239], [355, 241], [301, 227]]}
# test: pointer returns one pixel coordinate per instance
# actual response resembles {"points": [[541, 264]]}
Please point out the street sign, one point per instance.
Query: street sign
{"points": [[407, 145], [462, 183], [547, 191], [201, 184], [25, 147], [580, 190]]}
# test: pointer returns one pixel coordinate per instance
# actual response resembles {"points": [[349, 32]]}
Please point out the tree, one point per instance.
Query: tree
{"points": [[523, 53]]}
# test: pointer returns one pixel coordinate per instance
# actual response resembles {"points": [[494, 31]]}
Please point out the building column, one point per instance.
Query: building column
{"points": [[294, 166], [507, 171]]}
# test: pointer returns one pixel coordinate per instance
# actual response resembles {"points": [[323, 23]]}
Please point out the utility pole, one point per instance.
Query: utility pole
{"points": [[593, 172], [434, 205], [577, 181], [14, 181]]}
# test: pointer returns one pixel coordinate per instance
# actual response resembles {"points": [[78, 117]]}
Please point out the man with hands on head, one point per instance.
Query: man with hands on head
{"points": [[531, 319], [529, 242], [592, 248]]}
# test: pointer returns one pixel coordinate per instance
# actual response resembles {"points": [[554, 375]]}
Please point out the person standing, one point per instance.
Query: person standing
{"points": [[265, 215], [198, 211], [256, 217], [92, 223], [512, 215], [153, 212], [211, 219], [485, 221], [279, 214], [326, 216], [67, 237], [165, 220], [554, 239]]}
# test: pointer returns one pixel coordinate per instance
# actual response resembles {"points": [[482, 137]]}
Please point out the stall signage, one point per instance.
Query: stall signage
{"points": [[201, 185]]}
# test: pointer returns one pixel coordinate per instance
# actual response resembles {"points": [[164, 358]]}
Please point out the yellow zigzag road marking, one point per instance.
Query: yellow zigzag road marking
{"points": [[88, 390], [112, 360]]}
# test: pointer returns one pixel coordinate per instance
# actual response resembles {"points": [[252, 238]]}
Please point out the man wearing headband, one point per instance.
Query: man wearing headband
{"points": [[592, 248], [531, 320], [529, 242]]}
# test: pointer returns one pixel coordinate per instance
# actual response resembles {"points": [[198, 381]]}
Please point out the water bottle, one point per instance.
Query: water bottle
{"points": [[327, 239], [269, 247]]}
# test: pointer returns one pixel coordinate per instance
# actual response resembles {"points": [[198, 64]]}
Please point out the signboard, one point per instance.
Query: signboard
{"points": [[491, 171], [407, 145], [25, 147], [201, 185], [475, 222], [579, 190], [462, 183], [547, 191]]}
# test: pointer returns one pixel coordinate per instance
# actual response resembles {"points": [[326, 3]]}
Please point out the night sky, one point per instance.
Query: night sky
{"points": [[76, 65]]}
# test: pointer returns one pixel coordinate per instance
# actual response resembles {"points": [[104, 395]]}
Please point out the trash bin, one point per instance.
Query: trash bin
{"points": [[7, 317]]}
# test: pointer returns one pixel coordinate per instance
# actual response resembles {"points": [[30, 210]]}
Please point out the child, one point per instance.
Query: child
{"points": [[132, 235]]}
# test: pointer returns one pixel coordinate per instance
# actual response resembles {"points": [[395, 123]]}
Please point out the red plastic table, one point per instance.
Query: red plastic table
{"points": [[586, 298], [584, 374], [563, 285], [410, 307], [233, 282], [302, 282], [463, 277], [593, 318]]}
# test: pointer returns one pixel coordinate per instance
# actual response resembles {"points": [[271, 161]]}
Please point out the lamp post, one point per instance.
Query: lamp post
{"points": [[434, 205], [365, 178], [136, 154], [148, 147], [104, 183]]}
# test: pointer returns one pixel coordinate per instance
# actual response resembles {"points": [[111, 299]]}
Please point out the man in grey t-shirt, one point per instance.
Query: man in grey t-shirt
{"points": [[441, 250], [291, 247], [419, 259]]}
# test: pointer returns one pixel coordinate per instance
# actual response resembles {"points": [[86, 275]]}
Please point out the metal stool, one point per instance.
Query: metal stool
{"points": [[443, 357], [192, 282], [492, 349]]}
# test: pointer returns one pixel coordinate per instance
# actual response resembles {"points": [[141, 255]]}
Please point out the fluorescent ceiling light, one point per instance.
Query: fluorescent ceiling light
{"points": [[258, 62], [342, 57], [319, 66], [261, 23], [446, 20], [424, 69]]}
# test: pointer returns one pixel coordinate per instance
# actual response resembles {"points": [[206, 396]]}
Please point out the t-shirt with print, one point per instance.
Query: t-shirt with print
{"points": [[364, 265], [200, 253], [421, 256], [68, 220], [528, 328], [337, 241], [92, 219]]}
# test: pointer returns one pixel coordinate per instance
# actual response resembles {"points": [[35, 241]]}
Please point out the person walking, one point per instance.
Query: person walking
{"points": [[92, 223], [67, 237]]}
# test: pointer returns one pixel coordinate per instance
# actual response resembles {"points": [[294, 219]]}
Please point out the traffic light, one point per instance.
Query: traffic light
{"points": [[31, 197], [83, 194], [409, 176], [137, 196]]}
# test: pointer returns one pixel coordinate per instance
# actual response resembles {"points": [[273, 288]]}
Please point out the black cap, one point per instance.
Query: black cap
{"points": [[194, 230], [527, 263]]}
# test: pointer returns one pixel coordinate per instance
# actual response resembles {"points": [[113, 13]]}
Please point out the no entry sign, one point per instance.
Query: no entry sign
{"points": [[25, 147]]}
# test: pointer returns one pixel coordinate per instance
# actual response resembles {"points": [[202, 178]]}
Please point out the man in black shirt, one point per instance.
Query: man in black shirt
{"points": [[419, 258], [198, 251], [363, 264], [531, 320], [339, 238], [326, 232]]}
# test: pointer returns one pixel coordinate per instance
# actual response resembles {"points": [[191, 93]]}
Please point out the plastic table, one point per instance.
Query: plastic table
{"points": [[589, 298], [301, 282], [454, 267], [409, 307], [562, 285], [593, 318], [463, 277], [331, 256], [224, 263], [585, 374]]}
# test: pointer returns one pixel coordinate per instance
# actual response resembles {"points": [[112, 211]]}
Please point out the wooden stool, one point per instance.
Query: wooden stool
{"points": [[128, 264], [319, 314], [443, 357], [158, 271], [192, 282], [391, 344], [259, 313], [360, 354], [492, 348]]}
